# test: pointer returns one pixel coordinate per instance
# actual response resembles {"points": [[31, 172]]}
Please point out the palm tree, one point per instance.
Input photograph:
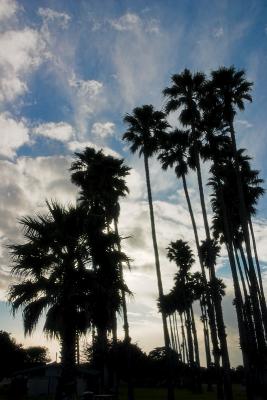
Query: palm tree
{"points": [[228, 227], [174, 152], [145, 125], [101, 180], [54, 280], [232, 90], [185, 95], [181, 254]]}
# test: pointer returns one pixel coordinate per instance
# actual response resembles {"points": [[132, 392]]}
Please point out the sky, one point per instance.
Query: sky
{"points": [[69, 72]]}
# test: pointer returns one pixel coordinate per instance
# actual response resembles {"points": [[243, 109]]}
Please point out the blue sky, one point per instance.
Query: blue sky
{"points": [[69, 71]]}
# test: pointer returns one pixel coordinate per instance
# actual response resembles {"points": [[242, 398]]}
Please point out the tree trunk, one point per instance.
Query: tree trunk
{"points": [[185, 348], [188, 325], [241, 316], [160, 287], [262, 296], [102, 347], [194, 331], [177, 336], [67, 386], [173, 344], [216, 297], [243, 213], [211, 312], [124, 305]]}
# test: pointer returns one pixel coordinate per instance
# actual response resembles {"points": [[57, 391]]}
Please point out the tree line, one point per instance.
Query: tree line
{"points": [[71, 263]]}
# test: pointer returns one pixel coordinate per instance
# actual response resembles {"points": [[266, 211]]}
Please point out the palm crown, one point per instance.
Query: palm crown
{"points": [[145, 125], [232, 89], [184, 94]]}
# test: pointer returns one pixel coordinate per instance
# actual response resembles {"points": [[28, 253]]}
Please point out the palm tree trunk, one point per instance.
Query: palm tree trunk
{"points": [[205, 334], [194, 331], [177, 335], [185, 347], [262, 296], [211, 311], [159, 280], [174, 333], [251, 338], [102, 346], [241, 317], [127, 338], [173, 344], [243, 213], [123, 297], [188, 325], [68, 376], [216, 296]]}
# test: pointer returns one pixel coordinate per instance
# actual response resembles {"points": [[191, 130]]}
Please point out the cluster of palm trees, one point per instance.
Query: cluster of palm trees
{"points": [[70, 266], [206, 108]]}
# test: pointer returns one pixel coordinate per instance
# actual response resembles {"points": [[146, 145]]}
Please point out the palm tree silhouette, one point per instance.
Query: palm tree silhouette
{"points": [[145, 125], [54, 281], [232, 90], [228, 227], [185, 95], [173, 151], [101, 179]]}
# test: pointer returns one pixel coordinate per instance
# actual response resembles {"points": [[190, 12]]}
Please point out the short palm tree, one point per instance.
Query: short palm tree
{"points": [[101, 180], [54, 280]]}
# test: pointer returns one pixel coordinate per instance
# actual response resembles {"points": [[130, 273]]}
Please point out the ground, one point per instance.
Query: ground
{"points": [[181, 394], [159, 394]]}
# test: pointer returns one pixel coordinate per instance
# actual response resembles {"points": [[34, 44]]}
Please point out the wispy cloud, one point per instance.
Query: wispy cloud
{"points": [[50, 15], [103, 129]]}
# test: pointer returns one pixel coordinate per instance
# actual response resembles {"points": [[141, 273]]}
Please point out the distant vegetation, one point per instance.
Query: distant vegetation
{"points": [[16, 357]]}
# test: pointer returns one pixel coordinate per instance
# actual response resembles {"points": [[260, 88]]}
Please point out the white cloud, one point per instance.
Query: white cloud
{"points": [[127, 22], [20, 53], [50, 15], [87, 97], [103, 129], [131, 22], [244, 123], [80, 146], [55, 130], [86, 87], [7, 9], [13, 134], [218, 32]]}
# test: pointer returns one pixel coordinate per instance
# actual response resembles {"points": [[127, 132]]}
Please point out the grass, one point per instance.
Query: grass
{"points": [[180, 394], [159, 394]]}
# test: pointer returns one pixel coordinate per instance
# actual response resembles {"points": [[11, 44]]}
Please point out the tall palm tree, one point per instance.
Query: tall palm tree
{"points": [[51, 264], [173, 151], [227, 225], [145, 125], [232, 90], [184, 95]]}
